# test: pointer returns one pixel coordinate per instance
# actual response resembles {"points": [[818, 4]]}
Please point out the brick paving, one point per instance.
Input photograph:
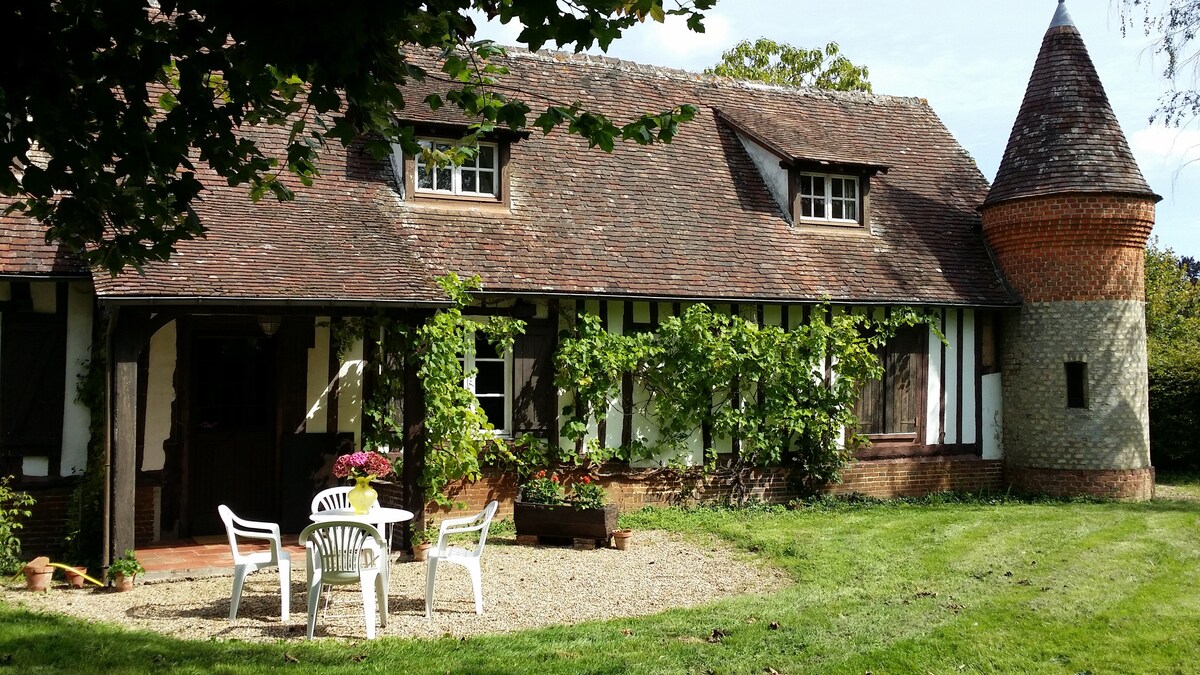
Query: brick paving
{"points": [[190, 558]]}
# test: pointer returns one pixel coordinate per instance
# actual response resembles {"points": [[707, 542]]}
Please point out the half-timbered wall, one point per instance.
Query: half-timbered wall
{"points": [[961, 411], [48, 325]]}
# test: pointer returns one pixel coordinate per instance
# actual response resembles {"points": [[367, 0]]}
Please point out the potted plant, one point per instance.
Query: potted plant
{"points": [[363, 467], [549, 510], [124, 571], [38, 573], [423, 541]]}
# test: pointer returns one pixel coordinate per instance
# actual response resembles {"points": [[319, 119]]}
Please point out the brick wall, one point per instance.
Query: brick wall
{"points": [[633, 488], [1113, 431], [1110, 484], [43, 533], [1072, 247]]}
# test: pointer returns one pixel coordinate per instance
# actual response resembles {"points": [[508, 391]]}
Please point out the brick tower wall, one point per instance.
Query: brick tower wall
{"points": [[1077, 263]]}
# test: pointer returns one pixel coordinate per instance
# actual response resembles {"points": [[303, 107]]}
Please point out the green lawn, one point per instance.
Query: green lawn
{"points": [[1014, 587]]}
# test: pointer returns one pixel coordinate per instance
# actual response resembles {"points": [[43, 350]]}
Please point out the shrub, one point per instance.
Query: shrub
{"points": [[14, 506], [1175, 409]]}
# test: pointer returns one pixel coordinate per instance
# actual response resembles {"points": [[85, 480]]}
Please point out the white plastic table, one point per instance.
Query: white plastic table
{"points": [[379, 517]]}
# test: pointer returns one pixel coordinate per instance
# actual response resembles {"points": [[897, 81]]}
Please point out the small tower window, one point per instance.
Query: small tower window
{"points": [[1077, 393]]}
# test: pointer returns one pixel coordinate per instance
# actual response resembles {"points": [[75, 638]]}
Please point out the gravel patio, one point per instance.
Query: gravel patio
{"points": [[524, 587]]}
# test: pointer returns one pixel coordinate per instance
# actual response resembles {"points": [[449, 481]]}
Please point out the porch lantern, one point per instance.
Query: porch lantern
{"points": [[269, 323]]}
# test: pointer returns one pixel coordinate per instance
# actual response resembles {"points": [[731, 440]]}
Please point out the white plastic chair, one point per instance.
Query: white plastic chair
{"points": [[331, 498], [245, 563], [343, 552], [467, 557], [335, 498]]}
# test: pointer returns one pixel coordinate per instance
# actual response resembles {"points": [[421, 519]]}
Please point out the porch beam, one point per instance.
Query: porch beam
{"points": [[130, 337], [414, 447]]}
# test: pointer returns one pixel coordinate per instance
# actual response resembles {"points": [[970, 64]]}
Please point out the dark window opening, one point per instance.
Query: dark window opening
{"points": [[1077, 394]]}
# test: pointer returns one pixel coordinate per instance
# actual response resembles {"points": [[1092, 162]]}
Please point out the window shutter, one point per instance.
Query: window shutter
{"points": [[535, 398], [33, 358]]}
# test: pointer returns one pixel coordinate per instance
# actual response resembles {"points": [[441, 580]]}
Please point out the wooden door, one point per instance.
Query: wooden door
{"points": [[233, 429]]}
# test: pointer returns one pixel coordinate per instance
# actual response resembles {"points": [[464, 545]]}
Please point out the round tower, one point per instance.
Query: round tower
{"points": [[1067, 219]]}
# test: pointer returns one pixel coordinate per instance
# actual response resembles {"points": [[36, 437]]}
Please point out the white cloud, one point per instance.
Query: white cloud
{"points": [[1165, 147]]}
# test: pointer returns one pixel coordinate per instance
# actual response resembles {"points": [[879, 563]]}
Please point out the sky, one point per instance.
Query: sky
{"points": [[970, 59]]}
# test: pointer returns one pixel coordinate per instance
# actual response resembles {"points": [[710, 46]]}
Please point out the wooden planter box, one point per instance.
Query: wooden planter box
{"points": [[564, 522]]}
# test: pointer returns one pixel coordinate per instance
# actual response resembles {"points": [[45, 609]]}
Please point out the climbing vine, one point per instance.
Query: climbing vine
{"points": [[459, 437], [458, 433], [729, 376]]}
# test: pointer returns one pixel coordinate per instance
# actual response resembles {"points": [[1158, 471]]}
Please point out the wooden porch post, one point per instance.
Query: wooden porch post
{"points": [[129, 338], [414, 447]]}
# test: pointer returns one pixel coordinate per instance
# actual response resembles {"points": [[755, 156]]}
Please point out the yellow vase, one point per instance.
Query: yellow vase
{"points": [[362, 496]]}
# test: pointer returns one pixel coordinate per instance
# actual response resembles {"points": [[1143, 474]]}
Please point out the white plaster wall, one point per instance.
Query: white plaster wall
{"points": [[44, 295], [350, 389], [35, 466], [76, 416], [775, 176], [993, 417], [968, 381], [951, 357], [160, 394], [933, 392], [319, 386]]}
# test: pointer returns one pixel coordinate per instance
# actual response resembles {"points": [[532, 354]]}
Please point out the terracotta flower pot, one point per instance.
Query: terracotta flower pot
{"points": [[75, 576], [622, 539], [38, 578], [123, 583], [421, 552]]}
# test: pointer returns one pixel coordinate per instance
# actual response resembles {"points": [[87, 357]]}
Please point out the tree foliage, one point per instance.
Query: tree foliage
{"points": [[1173, 350], [1173, 24], [110, 108], [780, 63]]}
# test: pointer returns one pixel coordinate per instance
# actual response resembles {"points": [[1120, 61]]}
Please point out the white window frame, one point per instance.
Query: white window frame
{"points": [[456, 172], [827, 199], [469, 360]]}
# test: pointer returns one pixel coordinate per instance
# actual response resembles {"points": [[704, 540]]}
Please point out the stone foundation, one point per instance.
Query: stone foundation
{"points": [[1131, 484]]}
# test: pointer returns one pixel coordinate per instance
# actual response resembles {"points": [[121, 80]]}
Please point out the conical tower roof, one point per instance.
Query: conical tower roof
{"points": [[1066, 138]]}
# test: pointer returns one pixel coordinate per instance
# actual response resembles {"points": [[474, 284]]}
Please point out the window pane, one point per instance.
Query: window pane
{"points": [[487, 182], [443, 180], [493, 407], [806, 207], [837, 210], [851, 211], [444, 147], [806, 185], [836, 188], [818, 188], [487, 156], [424, 177], [468, 181], [483, 348], [490, 378], [851, 188]]}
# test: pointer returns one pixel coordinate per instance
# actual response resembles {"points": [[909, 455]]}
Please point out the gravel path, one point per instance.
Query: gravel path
{"points": [[523, 587]]}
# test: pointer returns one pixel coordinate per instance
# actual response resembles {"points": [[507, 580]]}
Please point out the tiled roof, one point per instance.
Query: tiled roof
{"points": [[692, 219], [23, 250], [336, 243], [1066, 137]]}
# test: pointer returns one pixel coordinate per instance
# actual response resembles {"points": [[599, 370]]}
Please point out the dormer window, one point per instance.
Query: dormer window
{"points": [[477, 177], [828, 198]]}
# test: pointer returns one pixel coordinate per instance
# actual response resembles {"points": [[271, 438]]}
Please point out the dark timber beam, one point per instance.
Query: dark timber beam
{"points": [[130, 337]]}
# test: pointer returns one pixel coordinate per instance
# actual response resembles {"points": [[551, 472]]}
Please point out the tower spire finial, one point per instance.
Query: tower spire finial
{"points": [[1061, 16]]}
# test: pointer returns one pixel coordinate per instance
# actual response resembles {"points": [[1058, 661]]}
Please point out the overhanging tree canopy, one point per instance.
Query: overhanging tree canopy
{"points": [[108, 107]]}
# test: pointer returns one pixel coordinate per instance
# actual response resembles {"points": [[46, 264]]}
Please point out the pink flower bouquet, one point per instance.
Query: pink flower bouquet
{"points": [[363, 464]]}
